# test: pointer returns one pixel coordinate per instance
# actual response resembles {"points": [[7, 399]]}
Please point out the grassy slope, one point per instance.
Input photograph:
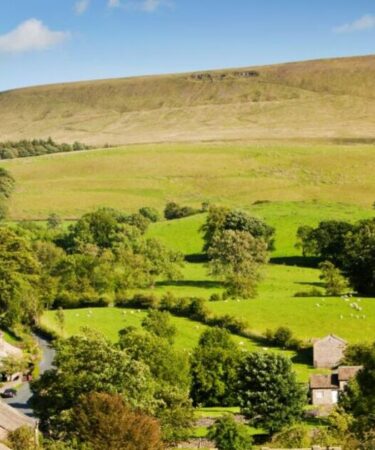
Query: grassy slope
{"points": [[236, 174], [275, 304], [326, 98]]}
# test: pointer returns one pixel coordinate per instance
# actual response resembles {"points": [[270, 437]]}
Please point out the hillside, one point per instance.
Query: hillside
{"points": [[235, 174], [325, 98]]}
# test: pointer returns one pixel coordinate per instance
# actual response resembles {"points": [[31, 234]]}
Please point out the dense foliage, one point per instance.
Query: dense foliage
{"points": [[351, 248], [103, 421], [227, 434], [268, 392], [173, 210], [214, 369], [85, 364], [236, 245], [36, 147], [7, 184], [101, 256]]}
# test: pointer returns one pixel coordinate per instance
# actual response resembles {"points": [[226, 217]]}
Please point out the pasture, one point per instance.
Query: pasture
{"points": [[275, 305], [234, 174]]}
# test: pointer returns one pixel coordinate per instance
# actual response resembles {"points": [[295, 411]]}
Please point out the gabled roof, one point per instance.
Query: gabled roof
{"points": [[331, 336], [324, 381], [11, 419], [346, 373], [8, 349]]}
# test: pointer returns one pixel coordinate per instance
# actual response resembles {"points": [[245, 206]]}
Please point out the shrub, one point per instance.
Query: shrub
{"points": [[314, 292], [151, 214], [283, 337], [174, 211], [230, 435], [215, 298]]}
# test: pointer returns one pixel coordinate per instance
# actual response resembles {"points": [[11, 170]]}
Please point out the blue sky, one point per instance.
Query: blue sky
{"points": [[47, 41]]}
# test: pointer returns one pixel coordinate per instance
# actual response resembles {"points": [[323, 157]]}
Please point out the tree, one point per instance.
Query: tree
{"points": [[326, 241], [268, 392], [105, 422], [214, 369], [60, 319], [159, 324], [7, 183], [220, 219], [174, 211], [85, 364], [14, 364], [236, 257], [359, 398], [238, 220], [54, 221], [151, 214], [23, 438], [296, 436], [359, 256], [170, 372], [335, 282], [227, 434], [19, 280]]}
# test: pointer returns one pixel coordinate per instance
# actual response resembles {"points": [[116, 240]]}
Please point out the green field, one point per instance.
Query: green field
{"points": [[234, 174], [275, 305]]}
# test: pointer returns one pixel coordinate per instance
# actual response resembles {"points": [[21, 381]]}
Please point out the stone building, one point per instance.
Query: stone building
{"points": [[326, 389], [328, 352]]}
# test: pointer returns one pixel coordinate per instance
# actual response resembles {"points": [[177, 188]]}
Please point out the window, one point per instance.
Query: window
{"points": [[319, 395]]}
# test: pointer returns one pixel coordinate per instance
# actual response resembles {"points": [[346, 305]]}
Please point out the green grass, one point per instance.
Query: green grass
{"points": [[275, 305], [232, 174]]}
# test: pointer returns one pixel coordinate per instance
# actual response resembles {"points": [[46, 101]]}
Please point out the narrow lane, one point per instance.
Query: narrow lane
{"points": [[21, 400]]}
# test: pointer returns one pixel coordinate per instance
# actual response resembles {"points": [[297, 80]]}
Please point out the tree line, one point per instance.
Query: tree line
{"points": [[37, 147]]}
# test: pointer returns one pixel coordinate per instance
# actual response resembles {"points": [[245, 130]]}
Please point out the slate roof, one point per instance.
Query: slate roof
{"points": [[11, 419], [346, 373], [324, 381]]}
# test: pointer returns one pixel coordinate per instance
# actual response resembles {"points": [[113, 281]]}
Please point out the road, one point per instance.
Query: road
{"points": [[24, 394]]}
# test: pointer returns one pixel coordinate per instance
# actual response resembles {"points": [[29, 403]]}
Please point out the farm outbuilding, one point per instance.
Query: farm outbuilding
{"points": [[328, 352]]}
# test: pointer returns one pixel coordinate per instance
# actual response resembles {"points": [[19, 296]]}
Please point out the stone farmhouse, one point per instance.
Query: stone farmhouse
{"points": [[328, 352], [11, 419], [326, 389]]}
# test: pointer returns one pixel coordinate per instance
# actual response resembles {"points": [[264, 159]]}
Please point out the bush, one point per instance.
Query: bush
{"points": [[215, 298], [174, 211], [71, 300], [150, 213], [230, 435], [140, 300], [230, 323], [314, 292], [283, 337]]}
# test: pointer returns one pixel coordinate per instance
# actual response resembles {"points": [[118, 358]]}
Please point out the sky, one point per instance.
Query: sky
{"points": [[50, 41]]}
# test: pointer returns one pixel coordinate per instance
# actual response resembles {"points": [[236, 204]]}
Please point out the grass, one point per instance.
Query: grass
{"points": [[275, 305], [233, 174], [331, 98]]}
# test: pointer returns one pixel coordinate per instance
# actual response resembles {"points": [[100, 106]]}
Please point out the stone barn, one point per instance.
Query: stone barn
{"points": [[328, 352]]}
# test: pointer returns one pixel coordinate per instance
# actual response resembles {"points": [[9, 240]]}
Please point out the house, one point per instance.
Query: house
{"points": [[346, 373], [11, 419], [7, 350], [326, 389], [328, 352]]}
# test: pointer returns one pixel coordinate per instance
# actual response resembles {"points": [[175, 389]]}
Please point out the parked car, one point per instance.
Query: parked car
{"points": [[9, 393]]}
